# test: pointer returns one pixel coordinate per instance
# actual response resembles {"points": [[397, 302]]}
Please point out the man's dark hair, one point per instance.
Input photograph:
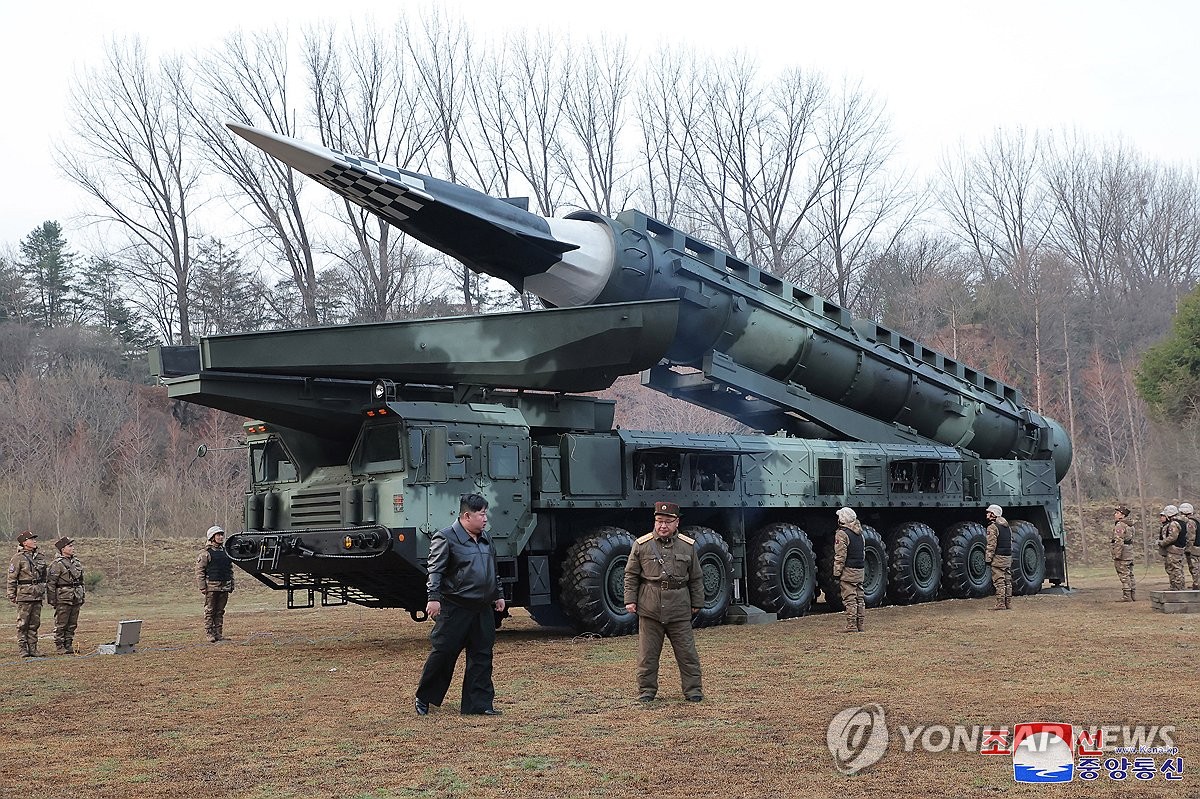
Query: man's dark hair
{"points": [[471, 503]]}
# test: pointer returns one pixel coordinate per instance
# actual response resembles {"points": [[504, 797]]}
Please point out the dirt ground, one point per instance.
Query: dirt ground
{"points": [[319, 702]]}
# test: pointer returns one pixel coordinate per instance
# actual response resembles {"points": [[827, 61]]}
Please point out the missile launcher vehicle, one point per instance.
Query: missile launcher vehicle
{"points": [[364, 437]]}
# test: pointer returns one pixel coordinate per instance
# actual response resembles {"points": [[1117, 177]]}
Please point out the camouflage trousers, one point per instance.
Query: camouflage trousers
{"points": [[854, 600], [1193, 563], [66, 619], [1125, 574], [29, 619], [1173, 563], [1002, 580], [214, 614], [683, 642]]}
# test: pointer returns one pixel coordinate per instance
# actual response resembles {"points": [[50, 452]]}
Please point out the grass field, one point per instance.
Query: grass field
{"points": [[319, 702]]}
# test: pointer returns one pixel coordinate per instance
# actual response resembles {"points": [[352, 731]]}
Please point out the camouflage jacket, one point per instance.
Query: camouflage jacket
{"points": [[64, 581], [841, 545], [993, 537], [202, 581], [1171, 538], [27, 577], [656, 563], [1122, 541], [1190, 530]]}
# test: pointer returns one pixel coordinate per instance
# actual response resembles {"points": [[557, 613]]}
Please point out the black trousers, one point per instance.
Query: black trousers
{"points": [[457, 628]]}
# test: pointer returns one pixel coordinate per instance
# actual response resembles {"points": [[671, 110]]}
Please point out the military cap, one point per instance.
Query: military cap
{"points": [[666, 509], [25, 536], [63, 542], [995, 510], [214, 530], [1123, 510]]}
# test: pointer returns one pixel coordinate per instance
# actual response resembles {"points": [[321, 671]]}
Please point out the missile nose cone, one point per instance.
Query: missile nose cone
{"points": [[311, 159]]}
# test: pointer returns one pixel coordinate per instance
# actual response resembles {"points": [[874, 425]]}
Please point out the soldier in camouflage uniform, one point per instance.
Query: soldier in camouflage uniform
{"points": [[999, 556], [26, 589], [849, 566], [64, 590], [214, 577], [1122, 551], [1172, 539], [1192, 551], [665, 588]]}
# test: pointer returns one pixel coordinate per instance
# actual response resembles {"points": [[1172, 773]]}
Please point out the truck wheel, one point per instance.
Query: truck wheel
{"points": [[593, 582], [965, 573], [1028, 558], [916, 564], [874, 575], [783, 570], [716, 563]]}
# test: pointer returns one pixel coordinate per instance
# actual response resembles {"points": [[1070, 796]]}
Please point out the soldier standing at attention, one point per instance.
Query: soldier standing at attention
{"points": [[999, 556], [1172, 538], [64, 590], [26, 589], [463, 589], [1122, 551], [1191, 552], [849, 565], [665, 588], [214, 577]]}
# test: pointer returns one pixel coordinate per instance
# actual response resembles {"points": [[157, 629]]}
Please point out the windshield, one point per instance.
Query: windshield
{"points": [[271, 462], [379, 449]]}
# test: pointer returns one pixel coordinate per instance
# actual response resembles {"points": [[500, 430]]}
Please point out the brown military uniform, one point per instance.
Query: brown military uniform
{"points": [[663, 578], [1122, 554], [1001, 564], [850, 580], [1172, 540], [27, 588], [1191, 552], [64, 590], [214, 576]]}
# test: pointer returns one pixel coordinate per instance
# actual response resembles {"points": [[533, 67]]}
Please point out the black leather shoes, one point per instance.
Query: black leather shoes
{"points": [[696, 698], [491, 711], [645, 698], [421, 707]]}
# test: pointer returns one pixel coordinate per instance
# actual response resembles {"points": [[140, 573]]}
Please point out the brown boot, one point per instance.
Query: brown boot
{"points": [[861, 624]]}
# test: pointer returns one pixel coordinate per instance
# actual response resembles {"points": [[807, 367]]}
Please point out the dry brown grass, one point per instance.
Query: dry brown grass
{"points": [[319, 702]]}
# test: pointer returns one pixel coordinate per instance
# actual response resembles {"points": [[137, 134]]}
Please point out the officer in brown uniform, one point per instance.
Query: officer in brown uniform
{"points": [[1191, 552], [1122, 551], [27, 588], [64, 590], [665, 588], [849, 565], [999, 556], [1172, 539], [214, 577]]}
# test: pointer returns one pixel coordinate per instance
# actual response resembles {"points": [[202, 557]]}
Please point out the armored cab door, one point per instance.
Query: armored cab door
{"points": [[504, 481]]}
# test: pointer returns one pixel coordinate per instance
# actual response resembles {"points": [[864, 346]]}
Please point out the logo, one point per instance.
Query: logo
{"points": [[1042, 752], [857, 738]]}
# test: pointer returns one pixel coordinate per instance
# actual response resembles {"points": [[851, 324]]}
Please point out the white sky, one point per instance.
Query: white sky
{"points": [[948, 71]]}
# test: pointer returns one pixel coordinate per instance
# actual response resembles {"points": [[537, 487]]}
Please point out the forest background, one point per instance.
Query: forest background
{"points": [[1050, 260]]}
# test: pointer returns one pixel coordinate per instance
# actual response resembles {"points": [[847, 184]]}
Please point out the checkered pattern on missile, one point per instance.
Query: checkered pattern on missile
{"points": [[376, 187]]}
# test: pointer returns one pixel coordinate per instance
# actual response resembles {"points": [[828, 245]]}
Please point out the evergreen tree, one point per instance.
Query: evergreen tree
{"points": [[48, 271], [224, 292], [105, 306], [1169, 375], [14, 297]]}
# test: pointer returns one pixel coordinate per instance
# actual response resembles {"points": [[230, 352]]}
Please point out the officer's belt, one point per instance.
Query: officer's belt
{"points": [[30, 582], [672, 585]]}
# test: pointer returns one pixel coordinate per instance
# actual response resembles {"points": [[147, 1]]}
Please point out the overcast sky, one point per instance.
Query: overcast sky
{"points": [[948, 71]]}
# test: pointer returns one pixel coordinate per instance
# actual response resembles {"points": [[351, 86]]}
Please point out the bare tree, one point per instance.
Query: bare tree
{"points": [[127, 152], [669, 105]]}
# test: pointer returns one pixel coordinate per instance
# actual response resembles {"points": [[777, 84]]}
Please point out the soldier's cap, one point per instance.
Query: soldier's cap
{"points": [[25, 536], [666, 509], [1123, 510], [63, 542], [213, 531], [995, 510]]}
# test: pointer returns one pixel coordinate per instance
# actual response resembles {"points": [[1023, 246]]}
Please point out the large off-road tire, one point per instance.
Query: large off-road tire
{"points": [[1028, 558], [915, 558], [716, 564], [593, 582], [874, 575], [965, 572], [783, 570]]}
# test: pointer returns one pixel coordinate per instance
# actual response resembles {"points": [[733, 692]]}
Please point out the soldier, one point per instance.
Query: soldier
{"points": [[1122, 551], [849, 563], [64, 590], [1192, 552], [662, 565], [214, 577], [1172, 538], [463, 589], [27, 589], [999, 556]]}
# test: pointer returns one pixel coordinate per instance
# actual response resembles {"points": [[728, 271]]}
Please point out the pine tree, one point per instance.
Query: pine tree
{"points": [[48, 271]]}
